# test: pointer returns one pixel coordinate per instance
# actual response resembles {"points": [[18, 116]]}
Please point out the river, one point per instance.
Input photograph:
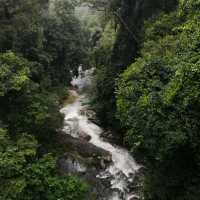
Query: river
{"points": [[123, 167]]}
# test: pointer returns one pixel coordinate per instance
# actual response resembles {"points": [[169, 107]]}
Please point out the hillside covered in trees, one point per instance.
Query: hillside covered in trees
{"points": [[145, 87], [40, 43], [148, 87]]}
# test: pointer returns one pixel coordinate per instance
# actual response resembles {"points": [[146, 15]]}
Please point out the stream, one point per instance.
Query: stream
{"points": [[121, 171]]}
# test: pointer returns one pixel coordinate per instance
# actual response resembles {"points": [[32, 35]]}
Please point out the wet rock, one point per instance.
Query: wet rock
{"points": [[75, 161], [112, 137], [83, 111], [96, 156], [138, 184], [95, 121], [102, 164], [84, 136], [100, 189], [91, 115], [68, 164], [134, 198]]}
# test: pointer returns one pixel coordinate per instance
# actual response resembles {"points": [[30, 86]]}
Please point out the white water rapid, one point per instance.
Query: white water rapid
{"points": [[123, 167]]}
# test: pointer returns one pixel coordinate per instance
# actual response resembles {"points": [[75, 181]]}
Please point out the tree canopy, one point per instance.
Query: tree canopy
{"points": [[147, 86], [41, 44]]}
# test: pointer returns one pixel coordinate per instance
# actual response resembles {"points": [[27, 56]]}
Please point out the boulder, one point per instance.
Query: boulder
{"points": [[90, 114], [84, 136], [138, 184], [98, 157], [112, 137], [69, 164]]}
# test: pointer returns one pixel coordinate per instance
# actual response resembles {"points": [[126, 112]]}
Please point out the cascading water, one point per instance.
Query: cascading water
{"points": [[121, 171]]}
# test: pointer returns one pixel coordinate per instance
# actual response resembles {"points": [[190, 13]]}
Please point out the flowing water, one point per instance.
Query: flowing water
{"points": [[121, 171]]}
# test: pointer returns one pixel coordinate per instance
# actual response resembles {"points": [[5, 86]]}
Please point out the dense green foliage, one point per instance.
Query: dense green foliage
{"points": [[24, 108], [45, 47], [40, 44], [112, 54], [147, 85], [158, 101], [148, 77], [52, 37], [24, 176]]}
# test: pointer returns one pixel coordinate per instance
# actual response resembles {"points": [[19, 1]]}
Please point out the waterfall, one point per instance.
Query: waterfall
{"points": [[123, 168]]}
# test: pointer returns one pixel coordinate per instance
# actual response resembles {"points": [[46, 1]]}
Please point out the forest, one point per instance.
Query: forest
{"points": [[144, 93]]}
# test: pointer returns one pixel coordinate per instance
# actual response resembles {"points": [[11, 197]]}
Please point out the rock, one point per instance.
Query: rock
{"points": [[84, 136], [138, 184], [102, 163], [95, 121], [90, 114], [86, 161], [97, 156], [112, 137], [68, 164], [100, 189], [83, 111], [134, 198]]}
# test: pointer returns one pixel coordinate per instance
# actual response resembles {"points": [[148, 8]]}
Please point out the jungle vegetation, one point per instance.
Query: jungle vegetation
{"points": [[41, 41], [148, 88]]}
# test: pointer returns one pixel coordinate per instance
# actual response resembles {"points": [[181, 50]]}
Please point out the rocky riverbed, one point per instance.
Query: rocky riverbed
{"points": [[92, 153]]}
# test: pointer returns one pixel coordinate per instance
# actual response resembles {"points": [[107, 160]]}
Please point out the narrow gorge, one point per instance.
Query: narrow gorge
{"points": [[121, 168]]}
